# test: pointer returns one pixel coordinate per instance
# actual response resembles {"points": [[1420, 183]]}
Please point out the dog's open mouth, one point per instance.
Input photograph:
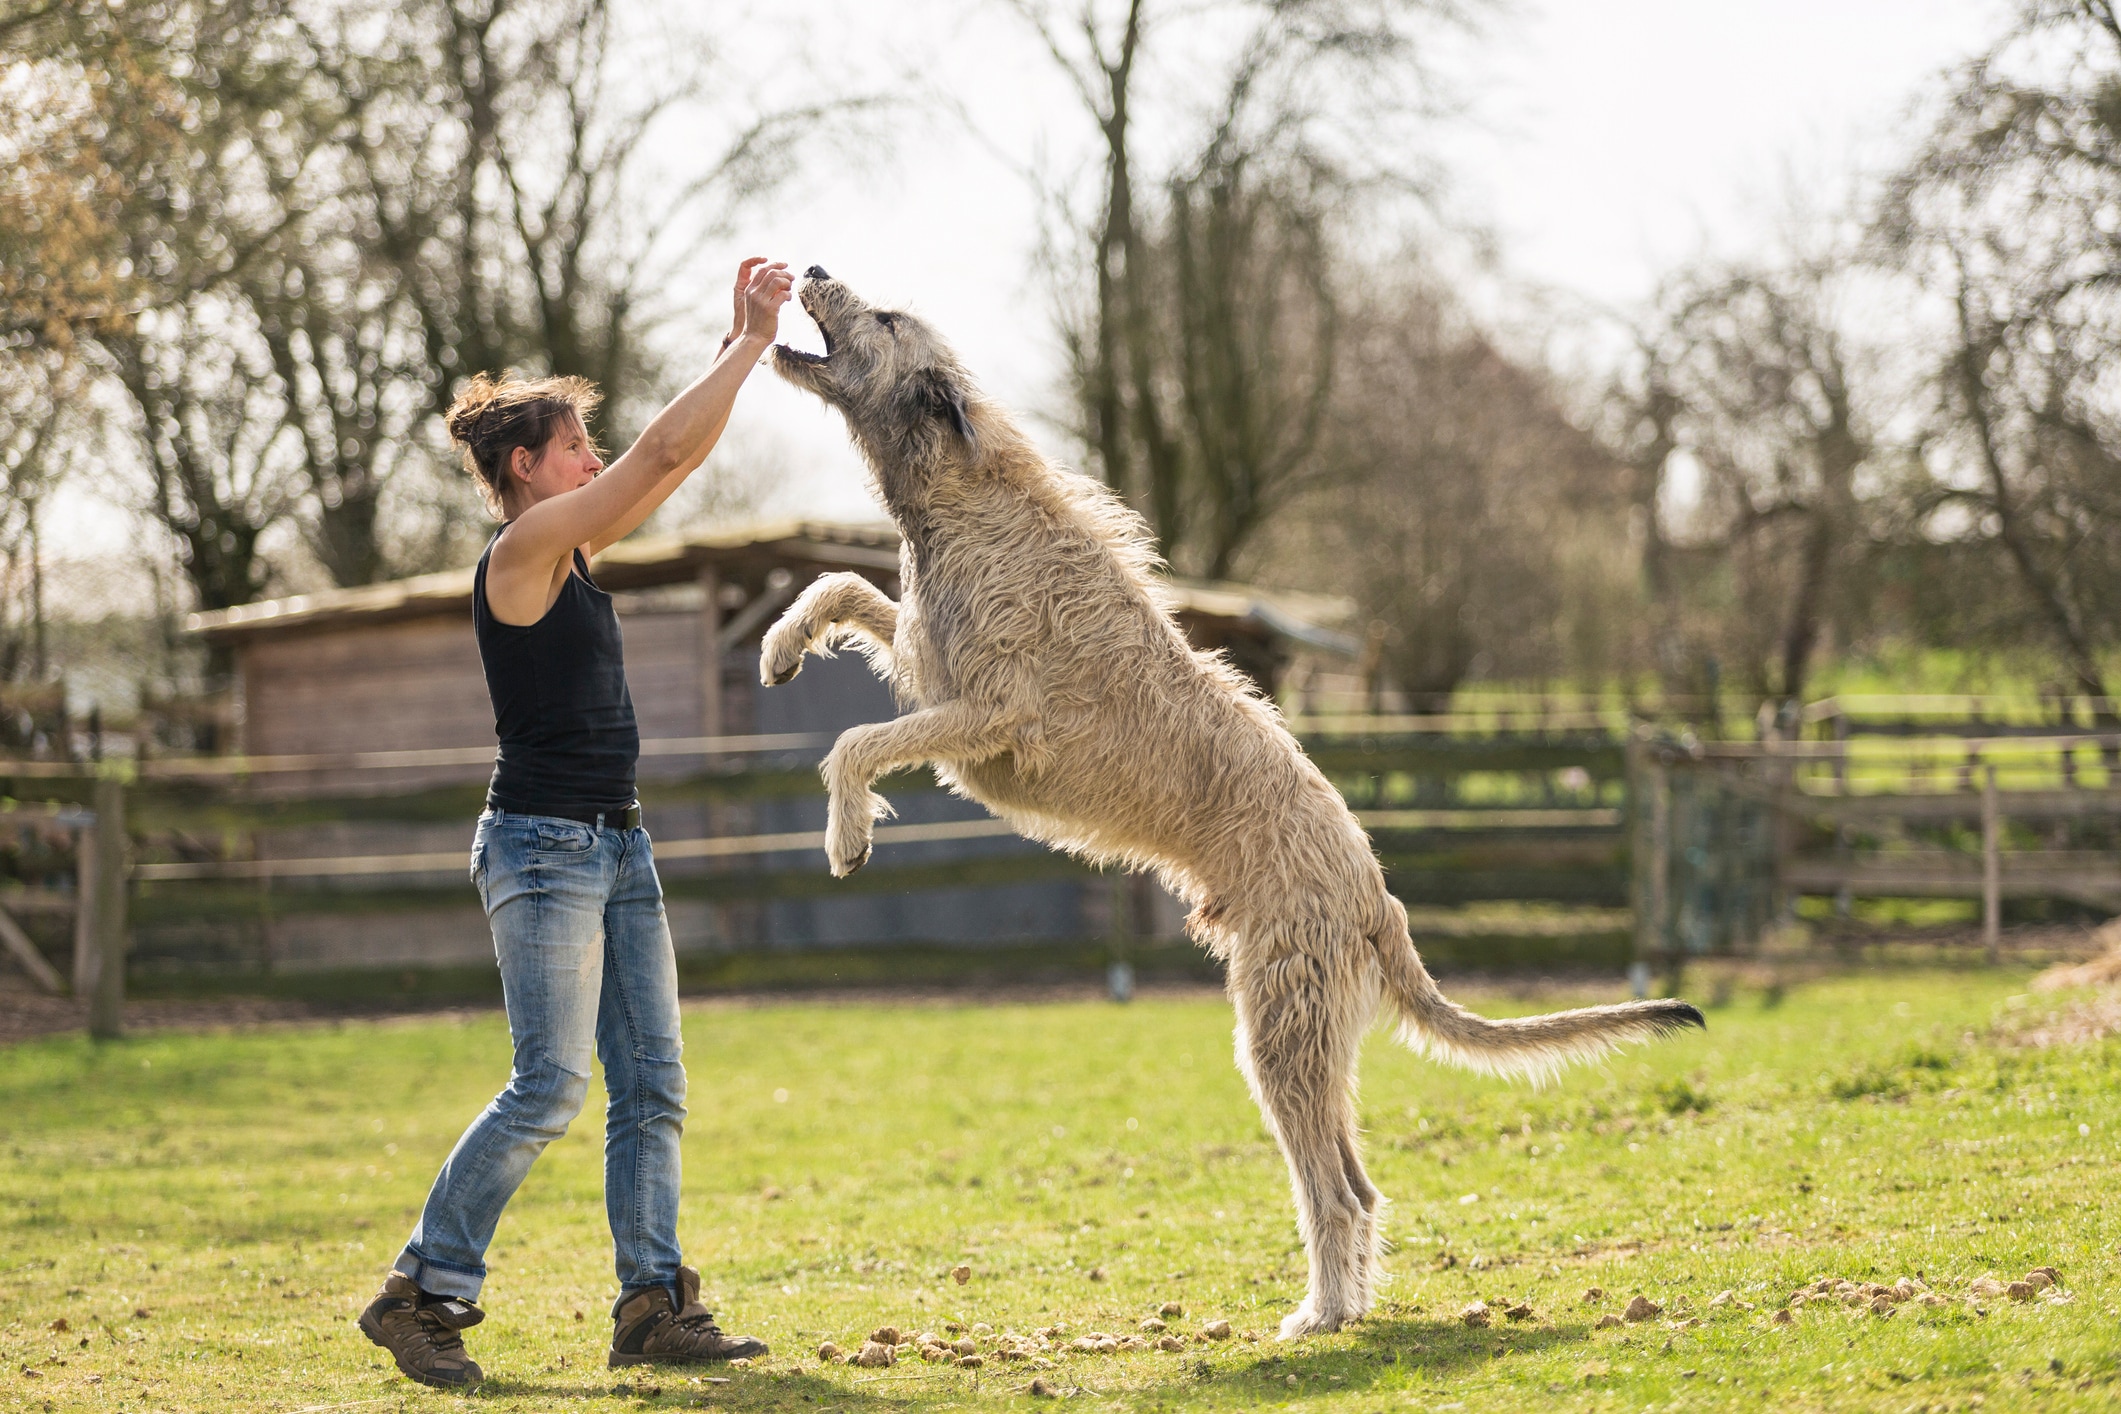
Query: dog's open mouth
{"points": [[789, 351]]}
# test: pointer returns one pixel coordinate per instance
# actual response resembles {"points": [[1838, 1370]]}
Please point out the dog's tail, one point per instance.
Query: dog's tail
{"points": [[1533, 1046]]}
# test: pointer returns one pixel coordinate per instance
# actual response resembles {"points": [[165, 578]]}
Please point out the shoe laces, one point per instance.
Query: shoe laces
{"points": [[699, 1321], [440, 1333]]}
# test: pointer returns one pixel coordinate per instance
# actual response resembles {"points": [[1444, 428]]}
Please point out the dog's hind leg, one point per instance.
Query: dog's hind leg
{"points": [[1297, 1036], [833, 604], [954, 732]]}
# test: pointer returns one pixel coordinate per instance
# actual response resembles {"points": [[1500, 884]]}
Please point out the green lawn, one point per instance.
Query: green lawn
{"points": [[206, 1213]]}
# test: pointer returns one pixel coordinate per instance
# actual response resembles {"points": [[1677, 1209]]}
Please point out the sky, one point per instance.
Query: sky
{"points": [[1602, 142]]}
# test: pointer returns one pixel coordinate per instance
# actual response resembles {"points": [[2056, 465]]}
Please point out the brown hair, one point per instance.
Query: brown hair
{"points": [[492, 417]]}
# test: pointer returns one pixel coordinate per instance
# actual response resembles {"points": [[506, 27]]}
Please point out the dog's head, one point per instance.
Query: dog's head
{"points": [[905, 396]]}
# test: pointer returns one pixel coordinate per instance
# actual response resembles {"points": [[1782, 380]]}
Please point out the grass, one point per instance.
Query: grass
{"points": [[206, 1213]]}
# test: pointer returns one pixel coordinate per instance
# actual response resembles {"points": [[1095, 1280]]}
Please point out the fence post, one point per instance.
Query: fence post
{"points": [[1119, 948], [1991, 868], [1844, 834], [1650, 815], [106, 1005], [710, 639], [84, 910]]}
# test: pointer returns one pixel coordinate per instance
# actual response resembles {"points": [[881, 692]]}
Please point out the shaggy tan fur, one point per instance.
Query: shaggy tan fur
{"points": [[1048, 681]]}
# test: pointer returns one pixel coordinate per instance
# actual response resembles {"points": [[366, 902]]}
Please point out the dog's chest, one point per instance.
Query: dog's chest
{"points": [[931, 619]]}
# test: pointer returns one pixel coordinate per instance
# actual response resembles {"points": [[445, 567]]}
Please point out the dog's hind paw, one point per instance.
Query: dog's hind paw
{"points": [[1307, 1320], [842, 868]]}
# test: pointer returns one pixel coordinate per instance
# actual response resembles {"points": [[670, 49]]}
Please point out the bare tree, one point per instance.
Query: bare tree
{"points": [[212, 428], [1171, 407], [168, 95], [2006, 216], [1247, 329], [40, 430], [1749, 371], [493, 211], [1480, 530]]}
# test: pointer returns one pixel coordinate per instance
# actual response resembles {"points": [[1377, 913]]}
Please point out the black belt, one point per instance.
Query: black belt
{"points": [[626, 817]]}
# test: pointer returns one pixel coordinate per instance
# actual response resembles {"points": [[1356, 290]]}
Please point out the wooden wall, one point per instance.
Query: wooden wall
{"points": [[365, 687], [417, 685]]}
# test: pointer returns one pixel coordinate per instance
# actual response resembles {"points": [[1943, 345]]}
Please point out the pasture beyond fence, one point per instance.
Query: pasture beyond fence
{"points": [[1571, 840]]}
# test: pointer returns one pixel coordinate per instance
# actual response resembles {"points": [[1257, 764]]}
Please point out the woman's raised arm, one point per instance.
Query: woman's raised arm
{"points": [[675, 441]]}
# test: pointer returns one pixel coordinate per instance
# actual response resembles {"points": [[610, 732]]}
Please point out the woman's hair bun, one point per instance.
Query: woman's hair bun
{"points": [[472, 401]]}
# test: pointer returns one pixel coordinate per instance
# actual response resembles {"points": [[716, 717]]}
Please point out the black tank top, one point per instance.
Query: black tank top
{"points": [[560, 704]]}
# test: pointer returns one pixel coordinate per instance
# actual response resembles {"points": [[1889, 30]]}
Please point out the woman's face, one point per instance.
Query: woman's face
{"points": [[567, 463]]}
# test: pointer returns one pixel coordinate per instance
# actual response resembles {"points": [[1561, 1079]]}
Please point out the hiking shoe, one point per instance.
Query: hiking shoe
{"points": [[651, 1328], [420, 1332]]}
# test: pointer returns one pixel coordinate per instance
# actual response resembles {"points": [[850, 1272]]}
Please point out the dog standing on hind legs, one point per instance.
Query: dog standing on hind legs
{"points": [[1047, 680]]}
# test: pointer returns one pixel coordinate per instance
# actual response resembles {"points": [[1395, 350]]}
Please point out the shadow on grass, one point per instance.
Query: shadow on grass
{"points": [[681, 1388], [1386, 1350]]}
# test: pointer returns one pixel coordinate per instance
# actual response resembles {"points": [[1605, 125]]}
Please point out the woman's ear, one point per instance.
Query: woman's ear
{"points": [[519, 463]]}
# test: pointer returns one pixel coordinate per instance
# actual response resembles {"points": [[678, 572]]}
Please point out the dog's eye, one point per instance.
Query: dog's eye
{"points": [[889, 321]]}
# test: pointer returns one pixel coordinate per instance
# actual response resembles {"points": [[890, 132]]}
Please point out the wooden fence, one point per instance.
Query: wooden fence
{"points": [[1707, 843], [1730, 835], [1461, 813]]}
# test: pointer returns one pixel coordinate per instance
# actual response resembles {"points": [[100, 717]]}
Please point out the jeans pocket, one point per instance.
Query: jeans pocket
{"points": [[562, 839]]}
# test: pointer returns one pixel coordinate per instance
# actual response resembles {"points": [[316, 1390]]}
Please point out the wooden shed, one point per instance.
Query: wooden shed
{"points": [[379, 688]]}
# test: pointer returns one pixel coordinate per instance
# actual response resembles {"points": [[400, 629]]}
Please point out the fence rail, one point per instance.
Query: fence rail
{"points": [[1461, 813], [1872, 816], [1707, 842]]}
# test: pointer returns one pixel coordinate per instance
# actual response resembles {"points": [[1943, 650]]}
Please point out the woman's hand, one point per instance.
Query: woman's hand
{"points": [[743, 281], [762, 287]]}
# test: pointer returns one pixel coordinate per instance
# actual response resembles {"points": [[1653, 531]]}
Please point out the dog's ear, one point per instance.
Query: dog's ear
{"points": [[936, 394]]}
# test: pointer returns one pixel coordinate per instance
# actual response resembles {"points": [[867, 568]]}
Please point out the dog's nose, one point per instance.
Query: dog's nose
{"points": [[816, 272]]}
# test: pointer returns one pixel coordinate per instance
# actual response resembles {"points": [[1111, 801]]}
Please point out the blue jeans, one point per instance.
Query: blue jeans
{"points": [[586, 964]]}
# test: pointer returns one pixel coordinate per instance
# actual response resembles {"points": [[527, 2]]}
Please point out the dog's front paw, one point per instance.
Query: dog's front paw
{"points": [[781, 652], [847, 842]]}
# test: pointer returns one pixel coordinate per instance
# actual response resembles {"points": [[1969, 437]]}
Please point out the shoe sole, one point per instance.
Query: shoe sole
{"points": [[618, 1360], [374, 1331]]}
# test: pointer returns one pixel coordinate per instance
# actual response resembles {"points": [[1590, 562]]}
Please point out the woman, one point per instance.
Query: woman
{"points": [[564, 869]]}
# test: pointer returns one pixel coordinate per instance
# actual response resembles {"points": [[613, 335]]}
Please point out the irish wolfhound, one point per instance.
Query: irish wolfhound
{"points": [[1047, 680]]}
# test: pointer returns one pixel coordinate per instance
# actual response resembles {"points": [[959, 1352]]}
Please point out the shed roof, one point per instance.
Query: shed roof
{"points": [[753, 549]]}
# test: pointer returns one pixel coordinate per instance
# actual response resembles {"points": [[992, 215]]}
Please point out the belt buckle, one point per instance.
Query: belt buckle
{"points": [[630, 818]]}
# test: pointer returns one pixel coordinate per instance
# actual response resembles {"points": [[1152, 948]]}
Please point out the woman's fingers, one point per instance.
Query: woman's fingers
{"points": [[771, 287], [772, 283], [744, 272]]}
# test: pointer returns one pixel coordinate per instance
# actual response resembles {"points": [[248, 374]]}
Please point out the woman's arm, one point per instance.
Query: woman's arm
{"points": [[648, 504], [546, 535]]}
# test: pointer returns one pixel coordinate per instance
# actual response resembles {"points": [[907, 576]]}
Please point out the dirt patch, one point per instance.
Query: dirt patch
{"points": [[26, 1013], [2087, 1019], [2104, 970], [2075, 1025]]}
